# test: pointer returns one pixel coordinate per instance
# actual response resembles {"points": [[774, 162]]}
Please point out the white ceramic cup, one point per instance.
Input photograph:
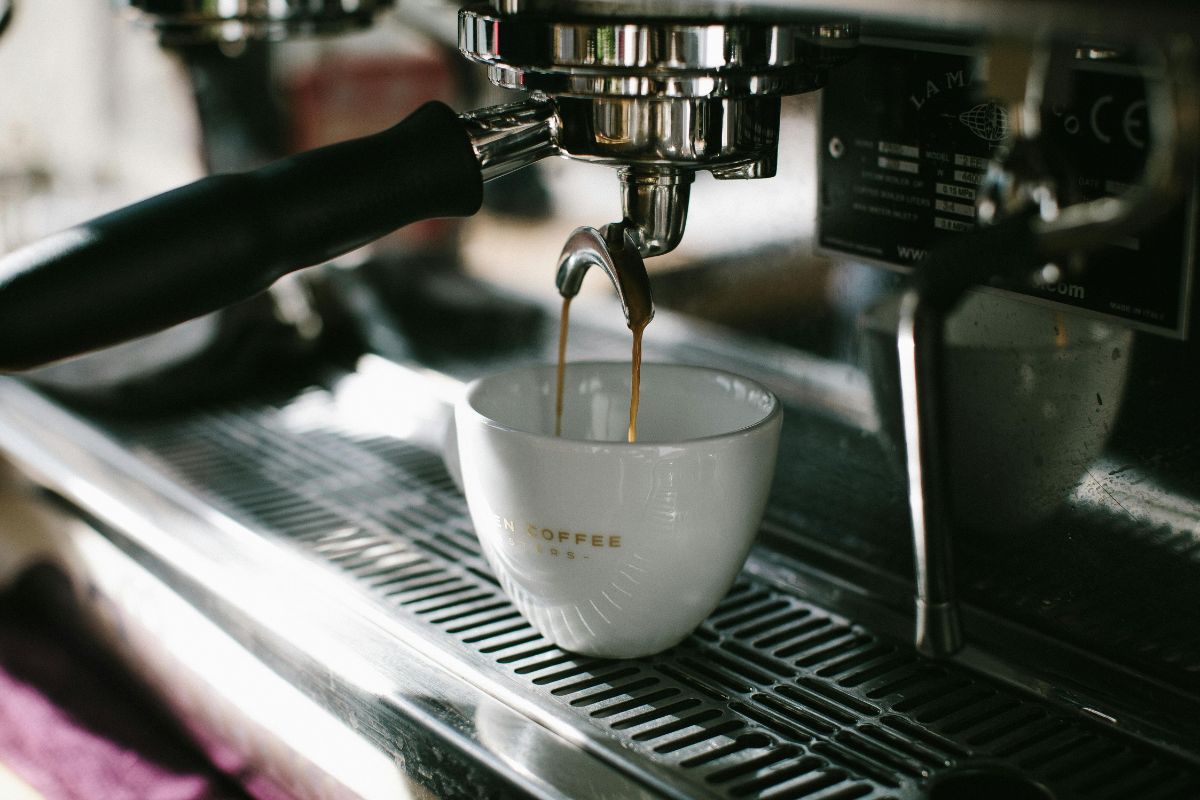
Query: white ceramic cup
{"points": [[611, 548]]}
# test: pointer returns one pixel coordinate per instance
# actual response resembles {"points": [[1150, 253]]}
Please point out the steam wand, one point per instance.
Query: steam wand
{"points": [[1023, 230]]}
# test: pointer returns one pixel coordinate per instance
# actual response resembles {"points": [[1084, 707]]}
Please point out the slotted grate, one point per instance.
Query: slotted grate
{"points": [[771, 698]]}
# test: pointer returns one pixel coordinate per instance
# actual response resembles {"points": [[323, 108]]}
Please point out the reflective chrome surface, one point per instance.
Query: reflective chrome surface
{"points": [[509, 137], [675, 133], [654, 199], [681, 59], [660, 95], [614, 250], [190, 21], [647, 138], [655, 203], [919, 344]]}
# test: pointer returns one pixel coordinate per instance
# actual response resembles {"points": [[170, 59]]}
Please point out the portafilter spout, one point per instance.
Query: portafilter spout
{"points": [[654, 203], [613, 249]]}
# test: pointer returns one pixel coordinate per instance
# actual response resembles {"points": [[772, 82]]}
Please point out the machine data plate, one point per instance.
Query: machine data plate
{"points": [[906, 135]]}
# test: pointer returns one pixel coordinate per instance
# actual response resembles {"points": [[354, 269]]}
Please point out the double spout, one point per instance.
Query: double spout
{"points": [[614, 250]]}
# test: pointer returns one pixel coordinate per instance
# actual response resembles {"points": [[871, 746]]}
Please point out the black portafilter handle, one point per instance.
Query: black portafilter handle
{"points": [[203, 246]]}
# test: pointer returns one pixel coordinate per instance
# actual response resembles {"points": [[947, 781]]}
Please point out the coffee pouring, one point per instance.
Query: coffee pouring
{"points": [[614, 251]]}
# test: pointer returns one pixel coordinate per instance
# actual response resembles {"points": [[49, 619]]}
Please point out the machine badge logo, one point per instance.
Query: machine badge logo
{"points": [[988, 121]]}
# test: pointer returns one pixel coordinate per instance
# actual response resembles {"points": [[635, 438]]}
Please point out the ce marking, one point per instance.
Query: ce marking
{"points": [[1133, 122]]}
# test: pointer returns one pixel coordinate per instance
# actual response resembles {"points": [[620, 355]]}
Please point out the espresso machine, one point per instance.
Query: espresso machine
{"points": [[978, 572]]}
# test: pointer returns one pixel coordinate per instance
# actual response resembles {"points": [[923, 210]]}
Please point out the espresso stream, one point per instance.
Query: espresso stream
{"points": [[638, 326], [562, 365]]}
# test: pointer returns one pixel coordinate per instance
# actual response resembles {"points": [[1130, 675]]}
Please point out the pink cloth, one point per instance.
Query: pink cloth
{"points": [[73, 729]]}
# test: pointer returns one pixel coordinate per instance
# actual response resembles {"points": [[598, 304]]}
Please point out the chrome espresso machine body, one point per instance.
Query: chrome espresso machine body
{"points": [[979, 571]]}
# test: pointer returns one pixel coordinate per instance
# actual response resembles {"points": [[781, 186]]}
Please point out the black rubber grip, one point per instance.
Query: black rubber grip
{"points": [[224, 238]]}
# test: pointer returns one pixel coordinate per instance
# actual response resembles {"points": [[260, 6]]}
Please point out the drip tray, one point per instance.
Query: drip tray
{"points": [[773, 697]]}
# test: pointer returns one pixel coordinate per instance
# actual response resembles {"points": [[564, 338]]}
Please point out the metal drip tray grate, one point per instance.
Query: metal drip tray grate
{"points": [[772, 697]]}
